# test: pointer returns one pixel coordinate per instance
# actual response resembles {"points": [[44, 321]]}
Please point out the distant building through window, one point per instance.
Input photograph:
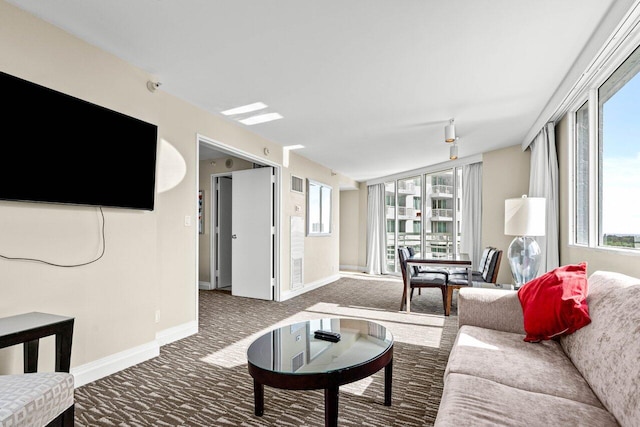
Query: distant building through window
{"points": [[423, 212]]}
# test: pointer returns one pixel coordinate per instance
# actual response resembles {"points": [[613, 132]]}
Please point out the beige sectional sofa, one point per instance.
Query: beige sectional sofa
{"points": [[588, 378]]}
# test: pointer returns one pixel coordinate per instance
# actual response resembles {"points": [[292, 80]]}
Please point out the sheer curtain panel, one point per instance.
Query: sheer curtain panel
{"points": [[376, 233], [471, 227], [543, 182]]}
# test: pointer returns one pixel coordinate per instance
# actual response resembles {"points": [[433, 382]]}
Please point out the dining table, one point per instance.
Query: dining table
{"points": [[433, 259]]}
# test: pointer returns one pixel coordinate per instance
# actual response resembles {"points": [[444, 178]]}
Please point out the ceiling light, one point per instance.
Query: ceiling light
{"points": [[245, 109], [261, 118], [450, 132], [453, 150]]}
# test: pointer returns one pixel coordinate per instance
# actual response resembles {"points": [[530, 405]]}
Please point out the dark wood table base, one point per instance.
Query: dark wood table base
{"points": [[258, 398], [331, 395]]}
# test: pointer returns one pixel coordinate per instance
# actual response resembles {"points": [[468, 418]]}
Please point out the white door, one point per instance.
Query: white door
{"points": [[224, 226], [252, 233]]}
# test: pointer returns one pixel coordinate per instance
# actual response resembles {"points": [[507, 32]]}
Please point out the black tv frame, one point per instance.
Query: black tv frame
{"points": [[56, 148]]}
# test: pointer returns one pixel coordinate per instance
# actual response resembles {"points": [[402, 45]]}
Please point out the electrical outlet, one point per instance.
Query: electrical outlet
{"points": [[157, 316], [187, 220]]}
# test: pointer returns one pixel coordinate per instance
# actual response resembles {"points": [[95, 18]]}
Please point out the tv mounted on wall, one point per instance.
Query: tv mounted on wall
{"points": [[55, 148]]}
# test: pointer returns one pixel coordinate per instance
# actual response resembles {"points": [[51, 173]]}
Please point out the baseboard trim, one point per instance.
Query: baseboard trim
{"points": [[100, 368], [92, 371], [205, 286], [308, 287], [176, 333], [357, 268]]}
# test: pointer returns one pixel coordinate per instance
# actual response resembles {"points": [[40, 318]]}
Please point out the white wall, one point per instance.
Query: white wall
{"points": [[505, 175], [350, 225], [150, 264], [321, 253]]}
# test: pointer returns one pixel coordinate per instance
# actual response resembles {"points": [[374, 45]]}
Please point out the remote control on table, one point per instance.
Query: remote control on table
{"points": [[327, 335]]}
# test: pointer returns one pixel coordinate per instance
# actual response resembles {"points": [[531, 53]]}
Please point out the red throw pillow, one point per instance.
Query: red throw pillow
{"points": [[555, 304]]}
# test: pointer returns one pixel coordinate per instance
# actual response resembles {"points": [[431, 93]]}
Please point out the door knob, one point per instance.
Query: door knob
{"points": [[233, 236]]}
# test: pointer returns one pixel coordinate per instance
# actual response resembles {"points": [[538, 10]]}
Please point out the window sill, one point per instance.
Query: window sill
{"points": [[608, 249]]}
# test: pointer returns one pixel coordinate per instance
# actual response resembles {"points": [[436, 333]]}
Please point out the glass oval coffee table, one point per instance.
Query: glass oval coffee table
{"points": [[292, 358]]}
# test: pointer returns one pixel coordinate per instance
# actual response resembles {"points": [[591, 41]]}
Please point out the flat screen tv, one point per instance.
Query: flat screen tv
{"points": [[55, 148]]}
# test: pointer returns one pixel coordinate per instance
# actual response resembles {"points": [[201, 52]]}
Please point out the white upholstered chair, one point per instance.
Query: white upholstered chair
{"points": [[37, 400]]}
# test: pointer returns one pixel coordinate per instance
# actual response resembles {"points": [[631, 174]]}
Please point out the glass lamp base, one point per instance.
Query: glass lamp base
{"points": [[524, 259]]}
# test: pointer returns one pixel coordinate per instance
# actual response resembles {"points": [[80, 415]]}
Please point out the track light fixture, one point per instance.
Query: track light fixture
{"points": [[450, 132], [453, 150]]}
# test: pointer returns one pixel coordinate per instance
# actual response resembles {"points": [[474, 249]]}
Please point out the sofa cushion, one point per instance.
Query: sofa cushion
{"points": [[490, 308], [503, 357], [554, 304], [607, 351], [473, 401]]}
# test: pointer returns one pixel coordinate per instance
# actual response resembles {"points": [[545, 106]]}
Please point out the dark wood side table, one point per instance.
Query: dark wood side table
{"points": [[28, 328]]}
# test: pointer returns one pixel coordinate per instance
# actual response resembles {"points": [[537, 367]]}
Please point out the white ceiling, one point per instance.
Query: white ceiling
{"points": [[366, 86]]}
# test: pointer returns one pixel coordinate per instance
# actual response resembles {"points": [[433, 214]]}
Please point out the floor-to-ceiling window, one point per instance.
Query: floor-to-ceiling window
{"points": [[390, 214], [458, 213], [423, 212], [409, 211], [442, 211]]}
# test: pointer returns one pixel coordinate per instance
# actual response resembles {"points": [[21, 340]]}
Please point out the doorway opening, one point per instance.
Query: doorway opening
{"points": [[234, 191], [221, 221]]}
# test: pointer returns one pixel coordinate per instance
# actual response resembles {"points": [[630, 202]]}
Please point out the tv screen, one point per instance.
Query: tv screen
{"points": [[56, 148]]}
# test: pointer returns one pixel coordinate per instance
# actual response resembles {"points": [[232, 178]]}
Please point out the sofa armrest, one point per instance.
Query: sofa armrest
{"points": [[491, 309]]}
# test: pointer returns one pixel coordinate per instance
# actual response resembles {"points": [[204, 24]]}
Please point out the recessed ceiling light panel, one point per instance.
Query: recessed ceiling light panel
{"points": [[261, 118], [245, 109]]}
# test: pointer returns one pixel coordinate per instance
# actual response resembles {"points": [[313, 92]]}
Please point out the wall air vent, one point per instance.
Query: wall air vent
{"points": [[297, 361], [297, 252], [297, 184]]}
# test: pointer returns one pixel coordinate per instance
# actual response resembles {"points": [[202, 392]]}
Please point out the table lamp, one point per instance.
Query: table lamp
{"points": [[524, 217]]}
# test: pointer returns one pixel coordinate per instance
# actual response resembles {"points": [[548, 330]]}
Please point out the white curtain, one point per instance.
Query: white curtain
{"points": [[376, 233], [471, 227], [543, 182]]}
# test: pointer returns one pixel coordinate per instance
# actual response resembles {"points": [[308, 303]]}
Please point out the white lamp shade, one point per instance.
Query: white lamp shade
{"points": [[525, 216]]}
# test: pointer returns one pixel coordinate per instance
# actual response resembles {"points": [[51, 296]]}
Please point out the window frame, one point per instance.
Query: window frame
{"points": [[456, 171], [320, 208], [590, 96], [575, 172], [456, 179]]}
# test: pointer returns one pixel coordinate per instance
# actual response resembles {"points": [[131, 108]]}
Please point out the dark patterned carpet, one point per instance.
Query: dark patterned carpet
{"points": [[202, 380]]}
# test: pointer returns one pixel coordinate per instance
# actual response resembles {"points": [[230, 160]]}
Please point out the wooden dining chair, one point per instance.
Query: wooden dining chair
{"points": [[424, 268], [419, 280], [488, 275], [481, 265]]}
